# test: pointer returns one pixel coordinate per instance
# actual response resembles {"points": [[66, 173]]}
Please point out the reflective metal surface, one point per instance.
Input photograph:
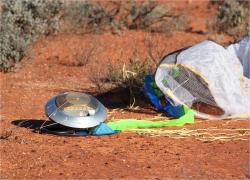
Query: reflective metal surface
{"points": [[76, 110]]}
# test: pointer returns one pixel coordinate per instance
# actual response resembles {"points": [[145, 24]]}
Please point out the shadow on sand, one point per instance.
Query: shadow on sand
{"points": [[118, 98], [33, 124]]}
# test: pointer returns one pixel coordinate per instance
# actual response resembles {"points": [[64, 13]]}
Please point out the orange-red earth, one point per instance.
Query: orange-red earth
{"points": [[50, 68]]}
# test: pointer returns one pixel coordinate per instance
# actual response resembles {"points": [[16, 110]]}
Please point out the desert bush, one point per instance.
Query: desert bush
{"points": [[152, 17], [85, 56], [22, 22], [129, 75], [142, 16], [86, 16], [233, 18], [90, 16]]}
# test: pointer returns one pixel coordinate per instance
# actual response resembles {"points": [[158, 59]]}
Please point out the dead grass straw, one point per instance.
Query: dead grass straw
{"points": [[205, 135]]}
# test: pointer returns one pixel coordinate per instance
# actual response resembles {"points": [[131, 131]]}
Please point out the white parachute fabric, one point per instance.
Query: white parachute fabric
{"points": [[242, 51], [209, 73]]}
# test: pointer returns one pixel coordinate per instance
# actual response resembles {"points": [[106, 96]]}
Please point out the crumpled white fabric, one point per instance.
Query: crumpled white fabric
{"points": [[223, 68], [242, 51]]}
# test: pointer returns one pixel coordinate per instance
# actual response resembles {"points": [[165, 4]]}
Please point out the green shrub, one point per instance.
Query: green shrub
{"points": [[141, 16], [22, 22], [153, 17], [85, 16], [233, 18]]}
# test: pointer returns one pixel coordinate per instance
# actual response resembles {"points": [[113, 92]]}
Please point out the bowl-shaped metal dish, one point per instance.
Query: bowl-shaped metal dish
{"points": [[75, 110]]}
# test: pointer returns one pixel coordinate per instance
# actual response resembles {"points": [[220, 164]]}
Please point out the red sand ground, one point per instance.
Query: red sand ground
{"points": [[48, 71]]}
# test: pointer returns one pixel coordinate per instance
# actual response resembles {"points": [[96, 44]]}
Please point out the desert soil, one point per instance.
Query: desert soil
{"points": [[50, 68]]}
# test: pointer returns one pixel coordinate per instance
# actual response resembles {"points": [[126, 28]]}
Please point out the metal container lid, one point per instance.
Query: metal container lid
{"points": [[75, 110]]}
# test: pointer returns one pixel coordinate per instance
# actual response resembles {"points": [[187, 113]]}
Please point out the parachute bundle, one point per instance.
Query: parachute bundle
{"points": [[210, 79]]}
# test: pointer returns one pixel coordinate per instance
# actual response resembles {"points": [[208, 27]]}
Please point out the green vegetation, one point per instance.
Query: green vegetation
{"points": [[22, 22], [87, 17], [233, 18]]}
